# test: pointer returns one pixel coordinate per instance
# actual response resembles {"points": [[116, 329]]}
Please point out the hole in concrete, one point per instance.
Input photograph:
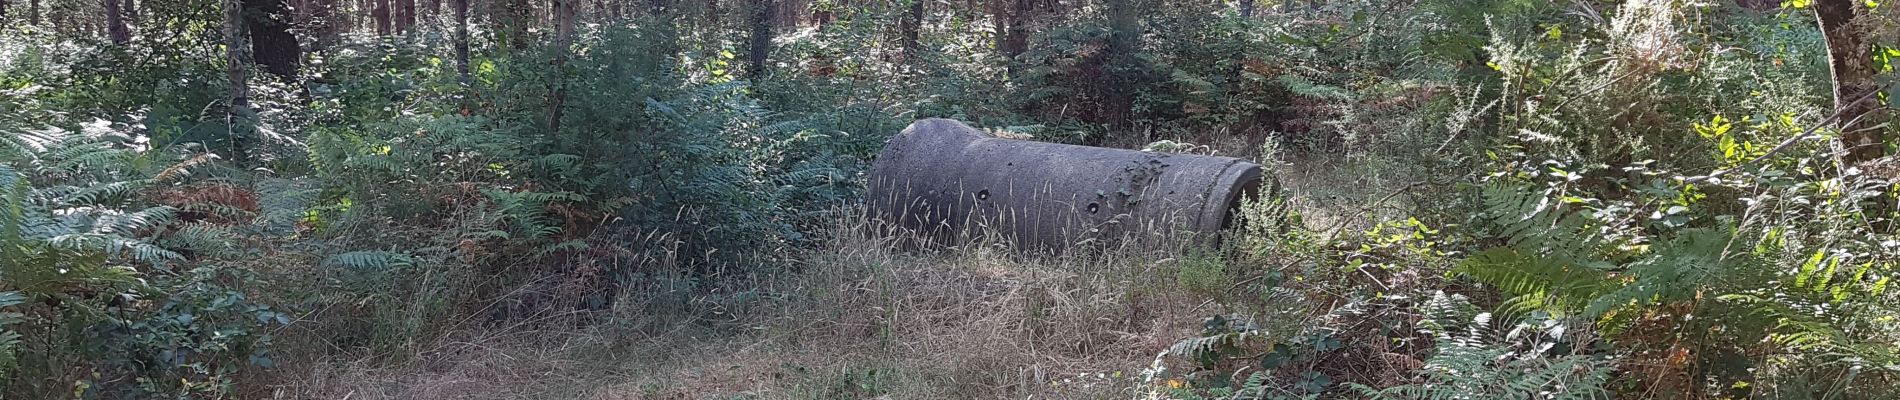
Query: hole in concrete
{"points": [[983, 194], [1093, 207]]}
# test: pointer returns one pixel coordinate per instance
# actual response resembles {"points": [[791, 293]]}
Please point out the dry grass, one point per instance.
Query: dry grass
{"points": [[877, 315], [861, 319]]}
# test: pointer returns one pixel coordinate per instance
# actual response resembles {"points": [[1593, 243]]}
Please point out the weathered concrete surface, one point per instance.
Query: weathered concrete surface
{"points": [[942, 177]]}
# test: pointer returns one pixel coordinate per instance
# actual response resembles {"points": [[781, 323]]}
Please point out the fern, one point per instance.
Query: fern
{"points": [[1207, 348], [1300, 85], [8, 338], [1538, 283], [374, 260], [205, 239], [1558, 260], [1474, 362], [528, 210]]}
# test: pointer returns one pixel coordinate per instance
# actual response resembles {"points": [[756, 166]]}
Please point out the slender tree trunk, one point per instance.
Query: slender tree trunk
{"points": [[787, 13], [563, 11], [666, 17], [909, 27], [237, 60], [1016, 41], [999, 24], [1246, 9], [33, 12], [461, 39], [823, 15], [514, 16], [405, 15], [380, 12], [1850, 59], [1124, 39], [761, 46], [272, 44], [115, 24], [3, 12], [322, 23], [1124, 27]]}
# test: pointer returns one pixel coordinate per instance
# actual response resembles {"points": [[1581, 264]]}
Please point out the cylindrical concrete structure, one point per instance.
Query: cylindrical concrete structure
{"points": [[943, 177]]}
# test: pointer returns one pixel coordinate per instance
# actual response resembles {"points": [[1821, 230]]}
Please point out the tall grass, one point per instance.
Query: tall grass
{"points": [[859, 317]]}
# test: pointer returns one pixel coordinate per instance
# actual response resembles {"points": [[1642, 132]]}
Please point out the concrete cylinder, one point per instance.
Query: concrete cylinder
{"points": [[942, 177]]}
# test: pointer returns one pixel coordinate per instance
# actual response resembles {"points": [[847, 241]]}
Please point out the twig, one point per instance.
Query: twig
{"points": [[1838, 113], [1341, 225]]}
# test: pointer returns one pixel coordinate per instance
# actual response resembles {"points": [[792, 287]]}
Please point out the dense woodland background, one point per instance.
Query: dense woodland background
{"points": [[435, 199]]}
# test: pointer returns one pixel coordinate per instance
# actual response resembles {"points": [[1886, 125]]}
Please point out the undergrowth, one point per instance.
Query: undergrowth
{"points": [[1469, 199]]}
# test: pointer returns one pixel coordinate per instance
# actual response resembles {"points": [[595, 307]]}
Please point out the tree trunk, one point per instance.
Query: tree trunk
{"points": [[1246, 9], [405, 15], [461, 39], [563, 14], [909, 27], [666, 15], [33, 12], [761, 41], [999, 25], [272, 44], [380, 12], [322, 22], [823, 15], [1124, 39], [115, 24], [514, 16], [132, 18], [1124, 27], [237, 60], [787, 13], [1016, 40], [1850, 59]]}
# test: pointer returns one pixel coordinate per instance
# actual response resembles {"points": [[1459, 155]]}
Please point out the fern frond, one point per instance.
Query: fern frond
{"points": [[134, 223], [1537, 282], [370, 260], [183, 168], [103, 193], [94, 156], [206, 239]]}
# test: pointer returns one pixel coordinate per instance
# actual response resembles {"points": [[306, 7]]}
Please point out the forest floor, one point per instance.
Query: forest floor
{"points": [[861, 320]]}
